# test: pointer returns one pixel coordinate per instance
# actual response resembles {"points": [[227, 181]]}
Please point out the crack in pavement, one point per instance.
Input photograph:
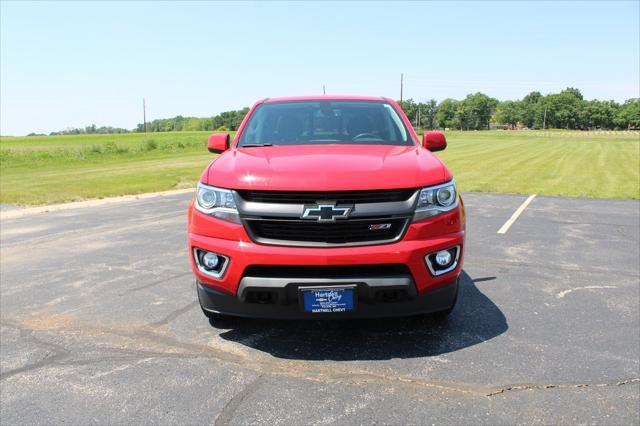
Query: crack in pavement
{"points": [[229, 410], [173, 315], [59, 353], [588, 287], [63, 359], [154, 283], [274, 367], [562, 386]]}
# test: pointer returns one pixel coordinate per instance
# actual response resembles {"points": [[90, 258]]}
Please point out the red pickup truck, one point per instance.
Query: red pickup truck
{"points": [[326, 207]]}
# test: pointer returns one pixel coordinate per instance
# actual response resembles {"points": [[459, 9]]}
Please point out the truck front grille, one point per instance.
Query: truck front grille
{"points": [[339, 233]]}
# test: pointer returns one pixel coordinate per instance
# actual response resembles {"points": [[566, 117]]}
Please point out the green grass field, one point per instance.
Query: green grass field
{"points": [[54, 169], [579, 164]]}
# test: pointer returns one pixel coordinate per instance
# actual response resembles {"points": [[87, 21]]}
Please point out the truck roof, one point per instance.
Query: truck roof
{"points": [[325, 98]]}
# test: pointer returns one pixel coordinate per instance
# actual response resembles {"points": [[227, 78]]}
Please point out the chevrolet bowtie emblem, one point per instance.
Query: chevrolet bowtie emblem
{"points": [[326, 212]]}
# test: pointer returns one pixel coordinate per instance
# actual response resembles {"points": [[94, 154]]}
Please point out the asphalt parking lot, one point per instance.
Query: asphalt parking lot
{"points": [[100, 324]]}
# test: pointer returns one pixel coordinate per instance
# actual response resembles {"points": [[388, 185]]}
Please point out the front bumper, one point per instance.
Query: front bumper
{"points": [[287, 307], [426, 293]]}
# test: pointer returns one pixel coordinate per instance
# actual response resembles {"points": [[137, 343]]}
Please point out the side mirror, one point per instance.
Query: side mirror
{"points": [[218, 142], [434, 141]]}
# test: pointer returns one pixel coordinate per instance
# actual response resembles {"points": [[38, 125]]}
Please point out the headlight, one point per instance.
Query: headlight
{"points": [[216, 202], [436, 199], [446, 196]]}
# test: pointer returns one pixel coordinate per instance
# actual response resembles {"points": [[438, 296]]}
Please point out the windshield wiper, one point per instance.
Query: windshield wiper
{"points": [[253, 145]]}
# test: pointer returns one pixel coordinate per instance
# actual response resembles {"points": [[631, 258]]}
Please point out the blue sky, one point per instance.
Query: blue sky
{"points": [[72, 64]]}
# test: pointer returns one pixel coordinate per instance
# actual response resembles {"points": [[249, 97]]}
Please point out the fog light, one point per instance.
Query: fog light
{"points": [[443, 258], [210, 263], [443, 261], [210, 260]]}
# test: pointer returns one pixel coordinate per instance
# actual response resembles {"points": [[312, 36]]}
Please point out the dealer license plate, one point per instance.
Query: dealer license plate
{"points": [[328, 299]]}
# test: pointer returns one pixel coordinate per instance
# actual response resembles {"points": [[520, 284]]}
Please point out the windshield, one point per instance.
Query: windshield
{"points": [[322, 122]]}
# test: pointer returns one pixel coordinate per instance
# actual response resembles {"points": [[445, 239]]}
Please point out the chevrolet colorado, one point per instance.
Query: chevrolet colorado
{"points": [[326, 207]]}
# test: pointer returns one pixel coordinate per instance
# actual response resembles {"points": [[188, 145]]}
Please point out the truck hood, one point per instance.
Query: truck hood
{"points": [[326, 168]]}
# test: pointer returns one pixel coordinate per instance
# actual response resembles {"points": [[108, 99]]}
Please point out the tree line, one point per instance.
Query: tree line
{"points": [[225, 121], [565, 110], [228, 120], [92, 129]]}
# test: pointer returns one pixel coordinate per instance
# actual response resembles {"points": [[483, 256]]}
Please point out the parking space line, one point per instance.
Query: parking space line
{"points": [[515, 215]]}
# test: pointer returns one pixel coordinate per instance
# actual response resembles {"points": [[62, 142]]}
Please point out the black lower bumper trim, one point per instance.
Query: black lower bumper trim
{"points": [[368, 306]]}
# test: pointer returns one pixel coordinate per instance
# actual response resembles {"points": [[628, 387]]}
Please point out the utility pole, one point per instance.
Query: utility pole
{"points": [[324, 92], [144, 115], [418, 122], [544, 119], [401, 82]]}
